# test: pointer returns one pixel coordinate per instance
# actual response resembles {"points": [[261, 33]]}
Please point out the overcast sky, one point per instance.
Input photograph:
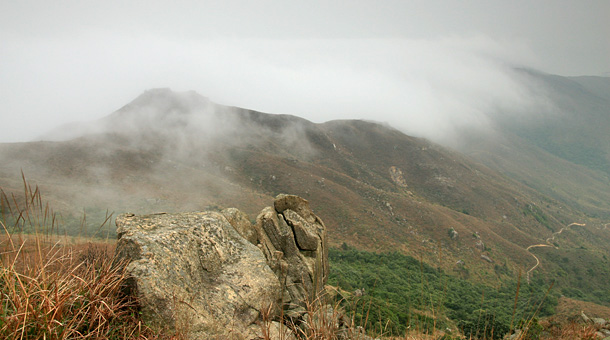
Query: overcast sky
{"points": [[423, 66]]}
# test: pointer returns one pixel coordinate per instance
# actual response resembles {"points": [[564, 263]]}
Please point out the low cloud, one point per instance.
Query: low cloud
{"points": [[427, 88]]}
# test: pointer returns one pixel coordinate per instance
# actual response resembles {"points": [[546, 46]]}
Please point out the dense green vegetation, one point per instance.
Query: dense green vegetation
{"points": [[581, 274], [404, 293], [570, 144]]}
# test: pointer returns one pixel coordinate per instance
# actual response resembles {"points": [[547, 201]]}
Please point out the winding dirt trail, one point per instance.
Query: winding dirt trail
{"points": [[527, 275], [549, 244], [552, 238]]}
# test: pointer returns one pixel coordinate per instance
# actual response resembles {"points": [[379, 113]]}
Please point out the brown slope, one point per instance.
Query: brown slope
{"points": [[199, 155]]}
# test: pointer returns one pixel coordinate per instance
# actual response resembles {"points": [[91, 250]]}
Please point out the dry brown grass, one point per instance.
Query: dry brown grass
{"points": [[568, 330], [55, 291], [568, 307], [54, 288]]}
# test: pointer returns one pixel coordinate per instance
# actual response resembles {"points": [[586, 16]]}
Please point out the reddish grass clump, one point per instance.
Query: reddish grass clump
{"points": [[55, 291], [54, 288]]}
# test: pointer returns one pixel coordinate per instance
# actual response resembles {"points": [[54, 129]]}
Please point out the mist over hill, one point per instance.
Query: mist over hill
{"points": [[577, 127], [563, 150], [472, 208]]}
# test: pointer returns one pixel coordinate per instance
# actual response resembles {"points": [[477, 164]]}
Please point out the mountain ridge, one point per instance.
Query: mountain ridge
{"points": [[376, 188]]}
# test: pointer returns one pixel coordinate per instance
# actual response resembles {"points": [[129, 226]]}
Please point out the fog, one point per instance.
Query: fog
{"points": [[426, 88], [430, 70]]}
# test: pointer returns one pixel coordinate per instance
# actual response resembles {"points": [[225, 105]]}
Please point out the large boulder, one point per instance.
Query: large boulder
{"points": [[194, 272], [293, 240], [216, 276]]}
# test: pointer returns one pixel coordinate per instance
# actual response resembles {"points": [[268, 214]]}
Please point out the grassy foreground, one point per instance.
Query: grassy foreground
{"points": [[55, 290]]}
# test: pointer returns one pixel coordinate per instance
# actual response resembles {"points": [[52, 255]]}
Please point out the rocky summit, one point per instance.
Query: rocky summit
{"points": [[215, 275]]}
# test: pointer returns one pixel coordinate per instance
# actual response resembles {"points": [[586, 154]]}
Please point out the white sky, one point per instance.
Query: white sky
{"points": [[423, 66]]}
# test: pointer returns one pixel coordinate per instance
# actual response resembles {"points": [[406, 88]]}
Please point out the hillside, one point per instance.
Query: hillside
{"points": [[376, 188], [563, 150]]}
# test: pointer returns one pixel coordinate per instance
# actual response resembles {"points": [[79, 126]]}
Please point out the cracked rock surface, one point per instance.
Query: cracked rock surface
{"points": [[214, 274], [293, 240], [194, 271]]}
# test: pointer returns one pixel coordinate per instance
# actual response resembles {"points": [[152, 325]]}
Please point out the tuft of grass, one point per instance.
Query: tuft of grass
{"points": [[48, 292], [568, 330], [52, 288], [321, 321]]}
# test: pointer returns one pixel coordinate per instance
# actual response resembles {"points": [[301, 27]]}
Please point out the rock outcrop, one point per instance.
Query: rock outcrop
{"points": [[602, 326], [487, 258], [241, 223], [194, 271], [215, 275], [293, 240]]}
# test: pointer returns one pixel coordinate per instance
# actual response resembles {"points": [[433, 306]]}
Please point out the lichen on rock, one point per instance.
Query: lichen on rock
{"points": [[195, 272], [214, 275]]}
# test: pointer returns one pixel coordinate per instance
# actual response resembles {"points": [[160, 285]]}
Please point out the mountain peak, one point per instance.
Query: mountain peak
{"points": [[167, 99]]}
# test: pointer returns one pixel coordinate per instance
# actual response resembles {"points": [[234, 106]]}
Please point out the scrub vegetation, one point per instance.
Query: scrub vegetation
{"points": [[407, 294]]}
